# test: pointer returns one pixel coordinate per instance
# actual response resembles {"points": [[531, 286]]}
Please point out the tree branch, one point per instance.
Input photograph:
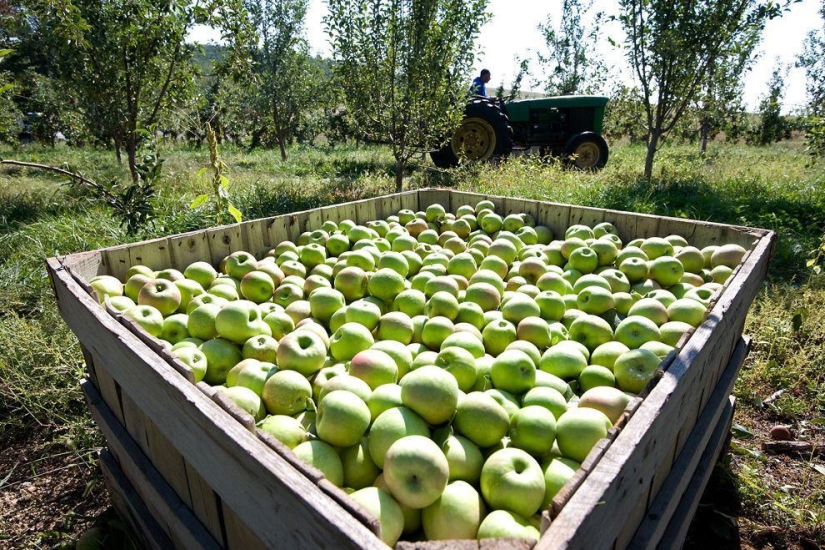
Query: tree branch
{"points": [[74, 175]]}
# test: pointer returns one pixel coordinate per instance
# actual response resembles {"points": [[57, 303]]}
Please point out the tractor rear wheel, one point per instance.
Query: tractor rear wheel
{"points": [[484, 132], [586, 151]]}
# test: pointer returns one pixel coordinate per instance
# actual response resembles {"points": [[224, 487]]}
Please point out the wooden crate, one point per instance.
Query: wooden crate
{"points": [[247, 491]]}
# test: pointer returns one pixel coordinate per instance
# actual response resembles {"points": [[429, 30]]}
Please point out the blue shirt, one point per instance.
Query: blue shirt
{"points": [[478, 87]]}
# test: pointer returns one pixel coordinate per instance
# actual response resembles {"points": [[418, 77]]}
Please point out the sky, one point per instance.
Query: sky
{"points": [[512, 32]]}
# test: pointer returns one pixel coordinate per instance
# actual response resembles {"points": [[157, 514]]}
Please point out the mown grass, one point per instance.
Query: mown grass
{"points": [[775, 188]]}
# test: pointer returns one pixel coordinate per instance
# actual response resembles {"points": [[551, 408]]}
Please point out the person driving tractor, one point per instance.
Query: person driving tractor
{"points": [[479, 86]]}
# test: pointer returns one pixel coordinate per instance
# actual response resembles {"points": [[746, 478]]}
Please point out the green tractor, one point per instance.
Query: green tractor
{"points": [[567, 127]]}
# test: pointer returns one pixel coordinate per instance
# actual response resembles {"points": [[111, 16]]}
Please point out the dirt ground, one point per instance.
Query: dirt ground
{"points": [[50, 498]]}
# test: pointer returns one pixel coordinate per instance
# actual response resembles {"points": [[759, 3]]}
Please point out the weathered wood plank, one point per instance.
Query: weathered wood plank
{"points": [[205, 435], [663, 509], [189, 248], [223, 241], [172, 515], [130, 507], [238, 535], [206, 505], [677, 530]]}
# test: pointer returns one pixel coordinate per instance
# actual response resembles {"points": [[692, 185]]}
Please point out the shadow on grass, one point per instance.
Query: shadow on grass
{"points": [[798, 219]]}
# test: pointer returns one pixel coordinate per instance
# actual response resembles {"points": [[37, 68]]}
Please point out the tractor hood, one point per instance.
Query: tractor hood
{"points": [[519, 110]]}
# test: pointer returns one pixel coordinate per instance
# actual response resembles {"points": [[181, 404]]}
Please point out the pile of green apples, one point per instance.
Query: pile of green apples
{"points": [[449, 371]]}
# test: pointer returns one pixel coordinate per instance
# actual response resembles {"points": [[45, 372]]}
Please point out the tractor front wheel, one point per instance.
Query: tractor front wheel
{"points": [[586, 151]]}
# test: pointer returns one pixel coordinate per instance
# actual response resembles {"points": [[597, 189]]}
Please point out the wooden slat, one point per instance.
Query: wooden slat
{"points": [[663, 509], [625, 472], [277, 230], [117, 259], [210, 441], [154, 254], [172, 515], [238, 535], [134, 420], [555, 216], [586, 216], [426, 197], [223, 241], [130, 507], [674, 536], [206, 504], [189, 248]]}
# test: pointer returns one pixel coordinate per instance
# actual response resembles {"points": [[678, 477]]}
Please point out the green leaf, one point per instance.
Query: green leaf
{"points": [[799, 317], [235, 213], [741, 432], [201, 172], [199, 201], [224, 182], [6, 88], [5, 52], [811, 262]]}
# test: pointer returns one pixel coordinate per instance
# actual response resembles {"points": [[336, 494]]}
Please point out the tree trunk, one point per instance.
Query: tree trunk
{"points": [[705, 134], [118, 146], [279, 134], [652, 144], [399, 175], [131, 155]]}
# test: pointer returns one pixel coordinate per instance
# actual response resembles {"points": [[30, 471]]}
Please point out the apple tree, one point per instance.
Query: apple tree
{"points": [[812, 61], [403, 67], [671, 47], [572, 65]]}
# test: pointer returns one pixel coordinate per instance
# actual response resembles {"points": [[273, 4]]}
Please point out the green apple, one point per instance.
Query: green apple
{"points": [[579, 429], [595, 300], [202, 299], [252, 374], [174, 328], [302, 351], [596, 375], [666, 270], [672, 331], [659, 348], [519, 307], [399, 352], [471, 313], [484, 295], [524, 346], [280, 324], [513, 371], [342, 418], [551, 305], [464, 457], [390, 426], [455, 515], [691, 258], [634, 368], [590, 330], [583, 259], [557, 472], [324, 457], [507, 525], [349, 340], [257, 286], [467, 340], [431, 392], [563, 361], [162, 294], [359, 469], [513, 480], [656, 247], [262, 348], [324, 302], [106, 286], [533, 429], [460, 363], [139, 268], [416, 471], [635, 330], [385, 284], [345, 382], [383, 398], [435, 331], [481, 419], [385, 508], [548, 397], [135, 283], [730, 255], [442, 304], [286, 429], [497, 335], [687, 311], [194, 359], [410, 301], [352, 283], [239, 321], [374, 367], [635, 269], [363, 312], [606, 354], [286, 392], [611, 401], [221, 356]]}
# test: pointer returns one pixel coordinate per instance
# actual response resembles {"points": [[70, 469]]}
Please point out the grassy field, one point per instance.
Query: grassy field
{"points": [[755, 500]]}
